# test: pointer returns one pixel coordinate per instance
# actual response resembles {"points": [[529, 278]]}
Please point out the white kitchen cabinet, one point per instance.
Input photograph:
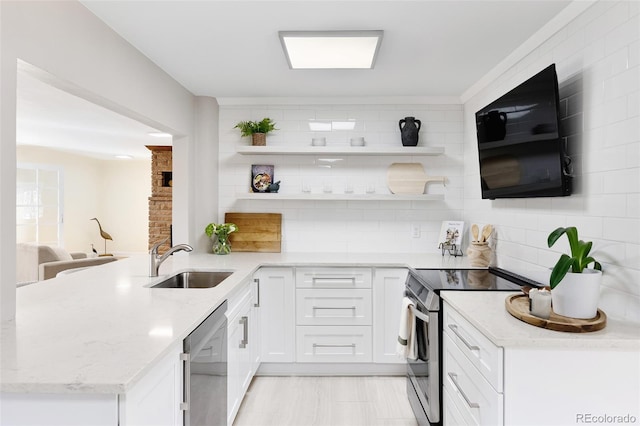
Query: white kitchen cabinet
{"points": [[27, 409], [321, 306], [333, 315], [388, 291], [254, 327], [240, 360], [336, 278], [277, 314], [476, 347], [155, 400], [534, 384], [468, 389], [332, 344], [472, 373]]}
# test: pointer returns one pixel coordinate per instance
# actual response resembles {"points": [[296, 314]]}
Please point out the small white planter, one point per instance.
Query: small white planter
{"points": [[577, 295]]}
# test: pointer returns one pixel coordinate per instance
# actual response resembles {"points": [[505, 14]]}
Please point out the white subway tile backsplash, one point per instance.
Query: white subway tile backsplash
{"points": [[620, 36], [623, 132], [616, 110], [599, 53], [624, 230], [298, 115], [343, 226], [621, 181]]}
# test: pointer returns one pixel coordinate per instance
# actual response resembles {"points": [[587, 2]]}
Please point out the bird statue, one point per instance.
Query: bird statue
{"points": [[104, 235]]}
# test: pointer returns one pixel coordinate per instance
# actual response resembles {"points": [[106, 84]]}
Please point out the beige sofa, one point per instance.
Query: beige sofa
{"points": [[35, 262]]}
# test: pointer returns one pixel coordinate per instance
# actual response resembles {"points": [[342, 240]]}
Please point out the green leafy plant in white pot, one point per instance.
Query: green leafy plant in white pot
{"points": [[575, 288]]}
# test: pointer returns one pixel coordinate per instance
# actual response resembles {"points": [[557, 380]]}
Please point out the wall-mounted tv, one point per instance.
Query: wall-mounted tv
{"points": [[520, 146]]}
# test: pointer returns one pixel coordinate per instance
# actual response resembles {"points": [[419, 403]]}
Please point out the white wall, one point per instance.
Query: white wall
{"points": [[596, 56], [66, 40], [346, 226], [123, 210], [114, 191]]}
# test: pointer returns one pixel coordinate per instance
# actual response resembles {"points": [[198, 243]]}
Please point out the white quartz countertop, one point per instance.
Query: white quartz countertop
{"points": [[100, 330], [487, 312]]}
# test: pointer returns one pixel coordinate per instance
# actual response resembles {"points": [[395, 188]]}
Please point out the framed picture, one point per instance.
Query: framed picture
{"points": [[261, 177], [451, 233]]}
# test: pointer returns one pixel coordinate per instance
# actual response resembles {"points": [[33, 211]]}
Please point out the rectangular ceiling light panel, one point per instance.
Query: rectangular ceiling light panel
{"points": [[331, 49]]}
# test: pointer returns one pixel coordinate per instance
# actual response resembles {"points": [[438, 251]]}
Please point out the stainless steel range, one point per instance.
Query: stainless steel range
{"points": [[423, 287]]}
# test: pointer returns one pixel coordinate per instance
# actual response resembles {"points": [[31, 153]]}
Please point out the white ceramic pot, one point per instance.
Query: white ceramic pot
{"points": [[576, 296]]}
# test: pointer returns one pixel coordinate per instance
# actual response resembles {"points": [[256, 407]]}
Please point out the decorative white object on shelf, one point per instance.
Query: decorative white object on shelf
{"points": [[409, 178]]}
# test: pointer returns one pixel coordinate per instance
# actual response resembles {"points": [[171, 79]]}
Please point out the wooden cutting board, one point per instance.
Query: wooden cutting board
{"points": [[409, 178], [257, 232]]}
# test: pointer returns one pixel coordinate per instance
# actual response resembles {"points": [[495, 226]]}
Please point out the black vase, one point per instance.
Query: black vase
{"points": [[409, 128]]}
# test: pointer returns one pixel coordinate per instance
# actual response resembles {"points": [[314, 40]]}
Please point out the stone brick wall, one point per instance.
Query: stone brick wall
{"points": [[160, 202]]}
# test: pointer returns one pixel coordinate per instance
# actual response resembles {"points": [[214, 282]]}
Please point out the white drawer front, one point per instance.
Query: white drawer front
{"points": [[333, 277], [487, 357], [333, 307], [452, 415], [333, 344], [472, 395]]}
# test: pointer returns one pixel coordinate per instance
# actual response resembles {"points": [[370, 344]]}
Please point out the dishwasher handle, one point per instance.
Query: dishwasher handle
{"points": [[186, 360]]}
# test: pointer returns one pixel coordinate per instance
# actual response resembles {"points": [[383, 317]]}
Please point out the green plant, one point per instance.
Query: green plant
{"points": [[221, 230], [578, 260], [248, 128]]}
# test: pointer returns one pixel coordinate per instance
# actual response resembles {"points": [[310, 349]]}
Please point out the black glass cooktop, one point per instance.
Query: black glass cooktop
{"points": [[472, 279]]}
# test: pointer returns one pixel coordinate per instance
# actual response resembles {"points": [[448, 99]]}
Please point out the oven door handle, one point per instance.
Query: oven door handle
{"points": [[418, 314]]}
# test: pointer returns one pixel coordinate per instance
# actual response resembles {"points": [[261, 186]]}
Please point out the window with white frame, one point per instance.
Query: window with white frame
{"points": [[39, 204]]}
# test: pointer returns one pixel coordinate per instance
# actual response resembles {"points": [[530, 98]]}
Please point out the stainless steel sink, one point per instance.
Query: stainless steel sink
{"points": [[194, 279]]}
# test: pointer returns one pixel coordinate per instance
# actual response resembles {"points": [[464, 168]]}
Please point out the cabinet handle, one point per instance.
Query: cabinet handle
{"points": [[334, 280], [351, 308], [318, 345], [257, 281], [454, 380], [471, 347], [186, 360], [245, 338]]}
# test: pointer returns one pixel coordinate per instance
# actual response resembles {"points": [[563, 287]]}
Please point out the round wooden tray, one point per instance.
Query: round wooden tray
{"points": [[518, 306]]}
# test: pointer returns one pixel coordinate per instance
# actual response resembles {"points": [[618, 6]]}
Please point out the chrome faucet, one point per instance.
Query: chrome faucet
{"points": [[156, 260]]}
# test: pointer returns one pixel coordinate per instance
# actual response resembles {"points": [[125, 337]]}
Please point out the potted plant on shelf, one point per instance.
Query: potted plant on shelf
{"points": [[257, 130], [575, 289], [221, 230]]}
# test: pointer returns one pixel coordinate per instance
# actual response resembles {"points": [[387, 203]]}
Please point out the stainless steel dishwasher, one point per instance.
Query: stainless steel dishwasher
{"points": [[205, 373]]}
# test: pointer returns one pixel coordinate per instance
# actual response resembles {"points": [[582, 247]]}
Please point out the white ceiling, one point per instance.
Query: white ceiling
{"points": [[230, 48], [52, 118]]}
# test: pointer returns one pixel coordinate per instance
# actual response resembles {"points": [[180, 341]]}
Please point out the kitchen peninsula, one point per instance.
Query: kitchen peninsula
{"points": [[100, 331]]}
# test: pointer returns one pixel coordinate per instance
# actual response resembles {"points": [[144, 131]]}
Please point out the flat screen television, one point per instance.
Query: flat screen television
{"points": [[520, 146]]}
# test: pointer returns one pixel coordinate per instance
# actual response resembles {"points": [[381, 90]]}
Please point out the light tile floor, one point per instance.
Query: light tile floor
{"points": [[326, 401]]}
